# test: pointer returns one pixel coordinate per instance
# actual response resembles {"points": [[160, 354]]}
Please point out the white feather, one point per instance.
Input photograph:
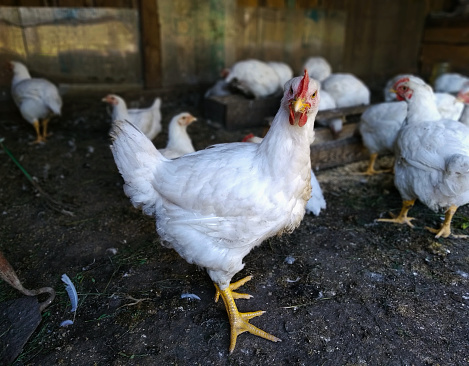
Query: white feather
{"points": [[71, 291]]}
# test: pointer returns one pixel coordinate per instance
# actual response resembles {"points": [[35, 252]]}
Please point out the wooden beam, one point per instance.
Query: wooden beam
{"points": [[151, 44]]}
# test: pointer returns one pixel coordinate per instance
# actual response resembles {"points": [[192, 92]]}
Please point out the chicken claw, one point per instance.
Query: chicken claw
{"points": [[235, 286], [402, 218], [240, 321], [445, 230]]}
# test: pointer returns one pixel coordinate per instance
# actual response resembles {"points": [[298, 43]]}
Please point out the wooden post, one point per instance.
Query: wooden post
{"points": [[151, 44]]}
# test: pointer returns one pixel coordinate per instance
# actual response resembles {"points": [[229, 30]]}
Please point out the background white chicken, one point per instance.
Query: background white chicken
{"points": [[253, 78], [37, 99], [213, 206], [346, 90], [179, 142], [335, 124], [317, 202], [148, 120], [378, 126], [450, 82], [283, 70], [318, 68], [432, 157]]}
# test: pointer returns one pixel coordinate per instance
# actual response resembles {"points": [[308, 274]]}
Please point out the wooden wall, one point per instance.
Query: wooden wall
{"points": [[190, 41]]}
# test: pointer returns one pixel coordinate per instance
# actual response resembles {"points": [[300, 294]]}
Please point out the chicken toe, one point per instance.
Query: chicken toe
{"points": [[445, 230], [240, 321], [402, 218]]}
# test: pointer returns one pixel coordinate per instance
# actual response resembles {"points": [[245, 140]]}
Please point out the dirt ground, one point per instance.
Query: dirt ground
{"points": [[352, 291]]}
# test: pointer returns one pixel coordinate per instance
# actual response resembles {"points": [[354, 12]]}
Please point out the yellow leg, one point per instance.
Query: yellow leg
{"points": [[445, 229], [38, 132], [371, 167], [240, 321], [402, 217], [45, 123]]}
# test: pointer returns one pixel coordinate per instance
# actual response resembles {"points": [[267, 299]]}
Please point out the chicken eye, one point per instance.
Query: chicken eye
{"points": [[404, 88], [291, 89], [313, 95]]}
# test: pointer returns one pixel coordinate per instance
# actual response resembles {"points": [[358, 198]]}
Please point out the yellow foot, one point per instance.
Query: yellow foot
{"points": [[234, 286], [240, 321], [39, 140], [401, 219], [444, 232]]}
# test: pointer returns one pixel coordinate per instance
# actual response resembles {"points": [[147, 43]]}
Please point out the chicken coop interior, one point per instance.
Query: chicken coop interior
{"points": [[349, 286]]}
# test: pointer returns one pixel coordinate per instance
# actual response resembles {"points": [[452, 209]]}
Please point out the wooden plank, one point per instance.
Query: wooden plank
{"points": [[456, 55], [151, 45], [338, 152], [453, 35]]}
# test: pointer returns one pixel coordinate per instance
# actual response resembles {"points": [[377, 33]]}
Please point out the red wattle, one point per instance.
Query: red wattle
{"points": [[292, 117], [303, 119]]}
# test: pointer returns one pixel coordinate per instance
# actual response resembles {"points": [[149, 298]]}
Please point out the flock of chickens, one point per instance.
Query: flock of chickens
{"points": [[214, 205]]}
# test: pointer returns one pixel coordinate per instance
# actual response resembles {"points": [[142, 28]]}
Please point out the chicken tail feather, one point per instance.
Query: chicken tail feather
{"points": [[136, 158]]}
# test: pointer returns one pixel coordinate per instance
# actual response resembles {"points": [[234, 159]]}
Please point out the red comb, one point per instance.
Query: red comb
{"points": [[400, 81], [247, 137], [303, 88]]}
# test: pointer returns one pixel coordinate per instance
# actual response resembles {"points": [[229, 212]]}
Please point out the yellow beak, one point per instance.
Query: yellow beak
{"points": [[298, 105], [392, 90]]}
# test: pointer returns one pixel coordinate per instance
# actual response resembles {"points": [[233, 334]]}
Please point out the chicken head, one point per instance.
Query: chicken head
{"points": [[302, 101]]}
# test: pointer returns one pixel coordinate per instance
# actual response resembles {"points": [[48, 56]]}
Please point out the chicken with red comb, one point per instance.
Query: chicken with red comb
{"points": [[213, 206], [432, 157]]}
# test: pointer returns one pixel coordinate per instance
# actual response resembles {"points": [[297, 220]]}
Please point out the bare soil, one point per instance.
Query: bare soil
{"points": [[353, 292]]}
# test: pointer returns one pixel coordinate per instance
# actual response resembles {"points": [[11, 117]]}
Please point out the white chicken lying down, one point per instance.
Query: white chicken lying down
{"points": [[213, 206], [148, 120], [432, 157], [450, 82], [378, 126], [318, 68], [179, 142], [346, 90], [37, 99], [253, 78], [317, 202]]}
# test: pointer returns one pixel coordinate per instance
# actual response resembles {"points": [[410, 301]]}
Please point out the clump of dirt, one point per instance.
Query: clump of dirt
{"points": [[341, 290]]}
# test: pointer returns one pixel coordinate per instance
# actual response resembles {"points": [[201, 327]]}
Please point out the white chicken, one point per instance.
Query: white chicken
{"points": [[334, 124], [148, 120], [253, 78], [317, 202], [378, 126], [432, 157], [346, 90], [318, 68], [179, 142], [213, 206], [283, 70], [449, 106], [37, 99], [389, 94], [450, 82]]}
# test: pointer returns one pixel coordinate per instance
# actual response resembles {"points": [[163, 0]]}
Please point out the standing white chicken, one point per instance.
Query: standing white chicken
{"points": [[179, 142], [432, 157], [213, 206], [317, 202], [378, 126], [37, 99], [148, 120], [253, 78]]}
